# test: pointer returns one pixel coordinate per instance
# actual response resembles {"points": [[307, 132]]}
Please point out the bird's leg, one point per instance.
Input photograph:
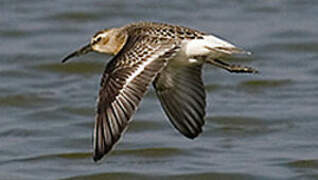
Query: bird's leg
{"points": [[232, 67]]}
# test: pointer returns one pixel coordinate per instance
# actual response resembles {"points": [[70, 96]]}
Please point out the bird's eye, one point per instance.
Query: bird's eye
{"points": [[96, 40]]}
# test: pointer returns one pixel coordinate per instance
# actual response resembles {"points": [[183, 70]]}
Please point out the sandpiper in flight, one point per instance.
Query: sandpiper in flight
{"points": [[170, 57]]}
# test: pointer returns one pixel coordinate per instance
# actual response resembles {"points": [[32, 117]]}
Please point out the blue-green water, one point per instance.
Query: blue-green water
{"points": [[262, 126]]}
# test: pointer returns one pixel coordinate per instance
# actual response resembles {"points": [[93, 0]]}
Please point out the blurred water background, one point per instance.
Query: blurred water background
{"points": [[262, 126]]}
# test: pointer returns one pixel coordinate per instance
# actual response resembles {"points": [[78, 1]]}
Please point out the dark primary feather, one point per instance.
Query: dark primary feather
{"points": [[182, 96], [118, 98]]}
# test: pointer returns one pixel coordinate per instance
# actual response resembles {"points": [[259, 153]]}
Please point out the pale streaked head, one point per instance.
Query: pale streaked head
{"points": [[108, 41]]}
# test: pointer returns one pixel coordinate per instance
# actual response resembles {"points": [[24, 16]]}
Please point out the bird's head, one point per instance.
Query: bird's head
{"points": [[108, 41]]}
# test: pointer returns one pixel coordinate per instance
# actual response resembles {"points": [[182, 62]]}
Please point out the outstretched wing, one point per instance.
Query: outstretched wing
{"points": [[182, 96], [124, 82]]}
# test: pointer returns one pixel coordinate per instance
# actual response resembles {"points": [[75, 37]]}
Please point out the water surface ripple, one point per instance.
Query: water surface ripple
{"points": [[257, 127]]}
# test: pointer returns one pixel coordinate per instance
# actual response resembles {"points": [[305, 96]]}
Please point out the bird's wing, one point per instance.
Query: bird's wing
{"points": [[181, 92], [124, 82]]}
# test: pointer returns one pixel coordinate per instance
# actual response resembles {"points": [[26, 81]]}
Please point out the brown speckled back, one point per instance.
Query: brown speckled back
{"points": [[161, 30]]}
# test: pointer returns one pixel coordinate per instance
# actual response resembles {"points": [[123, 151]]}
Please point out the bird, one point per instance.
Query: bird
{"points": [[168, 56]]}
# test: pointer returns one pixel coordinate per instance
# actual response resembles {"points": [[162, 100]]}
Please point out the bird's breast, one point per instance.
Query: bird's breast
{"points": [[182, 59]]}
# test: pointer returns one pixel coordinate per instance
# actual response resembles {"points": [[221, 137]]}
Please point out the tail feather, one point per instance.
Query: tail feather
{"points": [[211, 46], [227, 50]]}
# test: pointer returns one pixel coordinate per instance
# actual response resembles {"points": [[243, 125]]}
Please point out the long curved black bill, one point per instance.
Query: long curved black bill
{"points": [[84, 50]]}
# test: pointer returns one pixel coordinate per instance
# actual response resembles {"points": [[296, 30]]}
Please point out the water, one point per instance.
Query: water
{"points": [[260, 126]]}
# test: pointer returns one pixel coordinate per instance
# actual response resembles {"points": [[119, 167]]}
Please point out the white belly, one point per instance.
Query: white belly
{"points": [[208, 46], [182, 59]]}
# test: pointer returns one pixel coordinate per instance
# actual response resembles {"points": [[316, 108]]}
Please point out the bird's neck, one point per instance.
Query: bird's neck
{"points": [[119, 40]]}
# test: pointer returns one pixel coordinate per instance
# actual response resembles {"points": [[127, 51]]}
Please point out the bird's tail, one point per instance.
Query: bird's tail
{"points": [[223, 50]]}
